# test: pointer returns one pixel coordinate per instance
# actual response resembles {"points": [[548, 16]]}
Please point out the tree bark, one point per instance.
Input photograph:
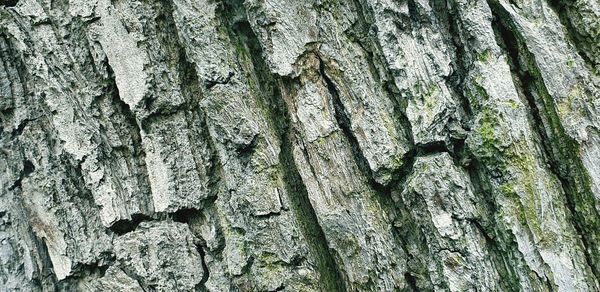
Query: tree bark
{"points": [[318, 145]]}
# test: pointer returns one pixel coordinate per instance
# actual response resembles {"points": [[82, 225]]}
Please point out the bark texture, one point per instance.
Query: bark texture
{"points": [[314, 145]]}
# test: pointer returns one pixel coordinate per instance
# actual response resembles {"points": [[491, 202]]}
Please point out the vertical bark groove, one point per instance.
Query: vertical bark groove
{"points": [[269, 90], [322, 145], [559, 150]]}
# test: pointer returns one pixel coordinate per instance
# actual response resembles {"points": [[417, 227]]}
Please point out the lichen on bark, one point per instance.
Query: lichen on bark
{"points": [[319, 145]]}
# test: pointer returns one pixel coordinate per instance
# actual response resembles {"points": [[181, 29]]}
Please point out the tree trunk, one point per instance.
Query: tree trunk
{"points": [[317, 145]]}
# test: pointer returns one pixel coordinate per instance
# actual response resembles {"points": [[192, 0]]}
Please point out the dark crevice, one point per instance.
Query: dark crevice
{"points": [[97, 268], [417, 269], [28, 169], [124, 109], [8, 3], [19, 129], [502, 245], [247, 267], [175, 58], [245, 151], [16, 184], [129, 131], [185, 215], [417, 275], [344, 123], [419, 150], [208, 84], [46, 276], [127, 225], [140, 280], [549, 284], [17, 76], [113, 90], [191, 89], [205, 271], [491, 242], [414, 15], [411, 281], [559, 150], [215, 170], [578, 39], [460, 152], [268, 92], [346, 127], [447, 16], [414, 244], [430, 148], [460, 69], [74, 173], [496, 241], [280, 288], [362, 33]]}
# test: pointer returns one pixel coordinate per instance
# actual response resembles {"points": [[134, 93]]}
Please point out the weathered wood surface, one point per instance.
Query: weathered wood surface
{"points": [[318, 145]]}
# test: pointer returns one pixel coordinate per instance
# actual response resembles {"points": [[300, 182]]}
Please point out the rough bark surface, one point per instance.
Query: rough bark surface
{"points": [[315, 145]]}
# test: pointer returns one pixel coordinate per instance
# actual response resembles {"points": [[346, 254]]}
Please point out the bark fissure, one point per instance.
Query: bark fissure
{"points": [[138, 154], [344, 123], [269, 93], [299, 146], [27, 169], [463, 157], [9, 3], [373, 48], [582, 39], [206, 271], [127, 225], [559, 150]]}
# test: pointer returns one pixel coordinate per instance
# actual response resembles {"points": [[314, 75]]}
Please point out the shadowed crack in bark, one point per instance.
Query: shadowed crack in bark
{"points": [[54, 51], [560, 151], [269, 94]]}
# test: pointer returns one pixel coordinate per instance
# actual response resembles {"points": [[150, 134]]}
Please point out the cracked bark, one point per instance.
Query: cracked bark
{"points": [[247, 145]]}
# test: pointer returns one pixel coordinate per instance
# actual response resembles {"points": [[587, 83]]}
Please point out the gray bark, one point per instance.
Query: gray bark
{"points": [[318, 145]]}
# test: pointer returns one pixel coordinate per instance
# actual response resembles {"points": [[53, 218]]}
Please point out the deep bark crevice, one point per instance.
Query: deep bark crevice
{"points": [[16, 73], [363, 34], [27, 170], [577, 39], [208, 84], [460, 67], [9, 3], [505, 236], [497, 241], [559, 150], [417, 276], [271, 100], [91, 270], [16, 132], [502, 246], [411, 281], [205, 270], [127, 225], [345, 124], [416, 268], [134, 137], [75, 156]]}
